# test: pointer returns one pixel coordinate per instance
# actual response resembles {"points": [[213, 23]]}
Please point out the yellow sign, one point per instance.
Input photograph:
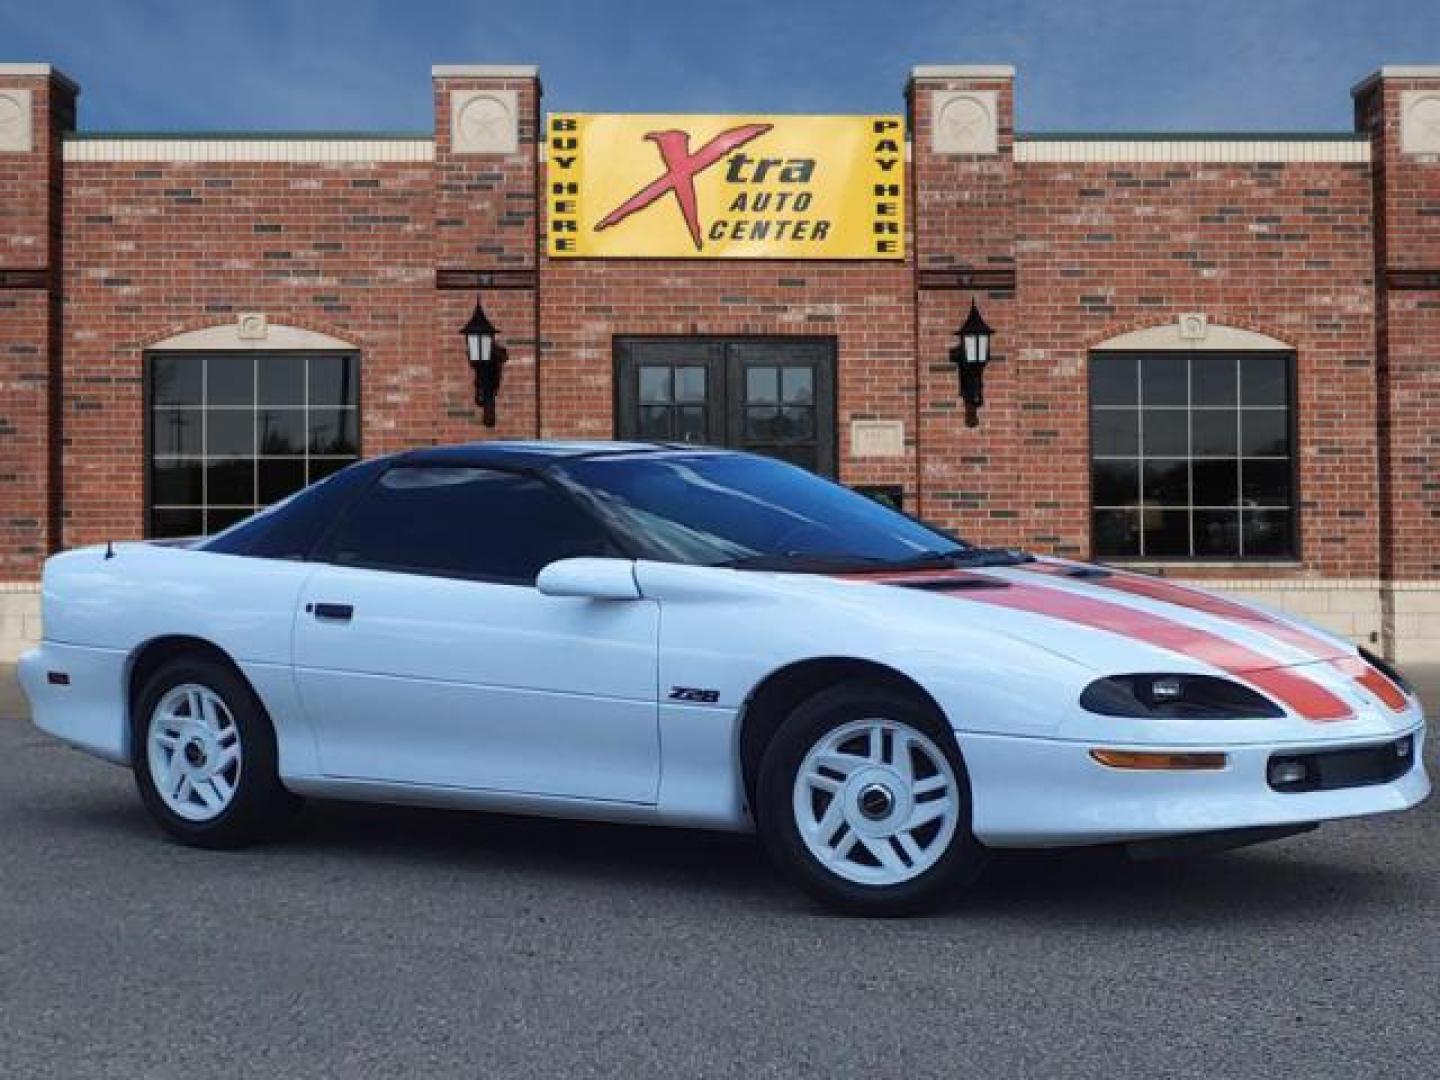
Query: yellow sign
{"points": [[727, 187]]}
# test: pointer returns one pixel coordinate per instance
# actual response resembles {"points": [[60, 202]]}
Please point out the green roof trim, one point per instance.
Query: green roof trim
{"points": [[1191, 136], [251, 136]]}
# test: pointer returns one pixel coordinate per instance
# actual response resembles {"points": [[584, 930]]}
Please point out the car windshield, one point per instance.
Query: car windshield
{"points": [[752, 512]]}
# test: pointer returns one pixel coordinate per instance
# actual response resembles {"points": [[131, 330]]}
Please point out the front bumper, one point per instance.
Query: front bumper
{"points": [[1036, 792]]}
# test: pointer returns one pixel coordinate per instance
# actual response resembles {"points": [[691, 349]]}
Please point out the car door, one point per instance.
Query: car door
{"points": [[424, 654]]}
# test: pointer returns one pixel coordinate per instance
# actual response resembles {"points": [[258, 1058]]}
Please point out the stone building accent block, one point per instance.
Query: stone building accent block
{"points": [[484, 121], [17, 130], [1420, 122], [966, 122]]}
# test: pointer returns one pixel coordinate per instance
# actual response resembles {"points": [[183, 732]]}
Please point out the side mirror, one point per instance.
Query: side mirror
{"points": [[592, 579]]}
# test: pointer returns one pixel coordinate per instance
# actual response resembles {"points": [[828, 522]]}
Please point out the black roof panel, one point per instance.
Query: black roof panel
{"points": [[531, 454]]}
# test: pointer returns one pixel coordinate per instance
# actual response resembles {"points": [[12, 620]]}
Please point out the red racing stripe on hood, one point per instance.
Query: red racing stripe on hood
{"points": [[1308, 698], [1167, 592], [1373, 681]]}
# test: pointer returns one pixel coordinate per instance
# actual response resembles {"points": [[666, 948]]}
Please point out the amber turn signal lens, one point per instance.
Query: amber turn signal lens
{"points": [[1151, 761]]}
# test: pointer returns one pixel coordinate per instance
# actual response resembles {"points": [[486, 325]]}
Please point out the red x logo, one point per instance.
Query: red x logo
{"points": [[681, 168]]}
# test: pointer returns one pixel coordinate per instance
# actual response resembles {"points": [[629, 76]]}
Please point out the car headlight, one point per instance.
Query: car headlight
{"points": [[1388, 670], [1163, 695]]}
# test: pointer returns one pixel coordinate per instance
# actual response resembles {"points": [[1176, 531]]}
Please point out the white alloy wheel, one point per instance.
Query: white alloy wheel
{"points": [[194, 752], [876, 802]]}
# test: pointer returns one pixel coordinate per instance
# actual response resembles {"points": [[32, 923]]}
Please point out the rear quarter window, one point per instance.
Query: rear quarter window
{"points": [[292, 529]]}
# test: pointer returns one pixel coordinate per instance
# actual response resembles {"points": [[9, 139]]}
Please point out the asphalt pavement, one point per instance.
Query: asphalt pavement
{"points": [[384, 942]]}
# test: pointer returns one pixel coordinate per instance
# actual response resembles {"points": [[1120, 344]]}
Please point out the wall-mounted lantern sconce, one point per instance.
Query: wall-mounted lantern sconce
{"points": [[487, 359], [970, 356]]}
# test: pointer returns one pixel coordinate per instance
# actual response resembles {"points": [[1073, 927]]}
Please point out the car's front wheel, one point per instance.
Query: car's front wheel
{"points": [[205, 757], [863, 801]]}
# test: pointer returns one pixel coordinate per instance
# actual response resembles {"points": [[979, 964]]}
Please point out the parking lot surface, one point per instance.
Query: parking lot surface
{"points": [[384, 942]]}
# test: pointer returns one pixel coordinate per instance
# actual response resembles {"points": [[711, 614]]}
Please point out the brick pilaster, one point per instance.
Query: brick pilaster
{"points": [[1400, 108], [964, 190], [37, 105], [487, 219]]}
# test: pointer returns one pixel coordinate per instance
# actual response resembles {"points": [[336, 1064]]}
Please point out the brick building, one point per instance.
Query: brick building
{"points": [[1215, 356]]}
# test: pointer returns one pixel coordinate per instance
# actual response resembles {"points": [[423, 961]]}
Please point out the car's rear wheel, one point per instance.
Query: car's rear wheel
{"points": [[204, 756], [863, 801]]}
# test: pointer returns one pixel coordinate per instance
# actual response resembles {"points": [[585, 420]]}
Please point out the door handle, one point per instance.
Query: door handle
{"points": [[337, 612]]}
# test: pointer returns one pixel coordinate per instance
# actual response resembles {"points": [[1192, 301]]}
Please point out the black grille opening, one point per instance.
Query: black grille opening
{"points": [[1333, 769]]}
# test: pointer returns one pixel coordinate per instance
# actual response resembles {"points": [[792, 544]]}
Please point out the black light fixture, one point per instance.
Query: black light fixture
{"points": [[487, 359], [971, 355]]}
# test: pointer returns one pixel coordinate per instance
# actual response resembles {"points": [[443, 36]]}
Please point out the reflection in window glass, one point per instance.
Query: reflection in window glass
{"points": [[655, 385], [1164, 381], [798, 386], [673, 403], [762, 385], [1116, 432], [1115, 380], [175, 381], [690, 423], [229, 381], [1214, 433], [280, 431], [1117, 483], [1214, 382], [690, 384], [177, 431], [331, 381], [1191, 455], [714, 508], [230, 434], [281, 382], [465, 522]]}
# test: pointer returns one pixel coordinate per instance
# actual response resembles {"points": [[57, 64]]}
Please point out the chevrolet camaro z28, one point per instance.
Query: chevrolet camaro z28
{"points": [[701, 638]]}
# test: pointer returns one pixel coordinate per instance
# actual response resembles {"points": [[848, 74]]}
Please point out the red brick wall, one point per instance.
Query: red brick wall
{"points": [[1407, 206], [1100, 249], [350, 249], [156, 248], [1064, 256], [1280, 249], [30, 258], [24, 444]]}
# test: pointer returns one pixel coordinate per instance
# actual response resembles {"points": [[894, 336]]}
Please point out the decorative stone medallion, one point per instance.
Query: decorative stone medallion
{"points": [[16, 135], [252, 326], [484, 122], [1420, 121], [1194, 326], [965, 122]]}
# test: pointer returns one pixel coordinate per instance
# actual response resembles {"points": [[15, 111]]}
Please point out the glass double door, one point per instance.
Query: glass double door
{"points": [[773, 396]]}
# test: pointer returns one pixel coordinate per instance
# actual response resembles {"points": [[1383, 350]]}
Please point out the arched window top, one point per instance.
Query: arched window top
{"points": [[227, 337], [1218, 338]]}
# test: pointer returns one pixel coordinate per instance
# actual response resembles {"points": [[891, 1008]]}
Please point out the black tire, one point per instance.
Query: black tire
{"points": [[962, 859], [260, 804]]}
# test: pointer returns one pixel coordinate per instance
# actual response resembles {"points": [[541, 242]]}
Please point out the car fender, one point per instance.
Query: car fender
{"points": [[723, 632], [102, 606]]}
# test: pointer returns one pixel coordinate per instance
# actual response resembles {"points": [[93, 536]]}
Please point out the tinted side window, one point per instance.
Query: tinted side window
{"points": [[460, 522], [290, 530]]}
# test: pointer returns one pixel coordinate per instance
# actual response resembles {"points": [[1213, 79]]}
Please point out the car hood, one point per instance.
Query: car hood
{"points": [[1115, 621]]}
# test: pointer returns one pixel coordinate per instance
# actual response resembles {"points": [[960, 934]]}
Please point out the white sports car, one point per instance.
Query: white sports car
{"points": [[702, 638]]}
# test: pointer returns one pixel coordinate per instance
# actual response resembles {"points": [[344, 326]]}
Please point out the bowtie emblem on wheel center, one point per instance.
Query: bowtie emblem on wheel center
{"points": [[876, 801], [194, 754]]}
